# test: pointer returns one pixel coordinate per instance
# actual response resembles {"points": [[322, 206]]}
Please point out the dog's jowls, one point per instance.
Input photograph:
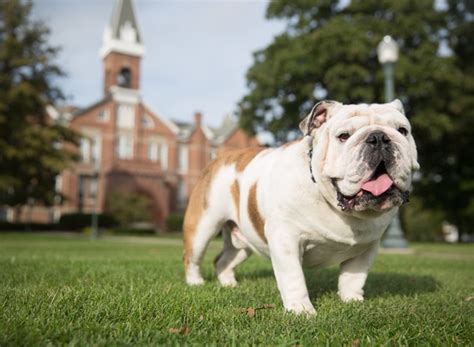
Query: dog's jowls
{"points": [[324, 199]]}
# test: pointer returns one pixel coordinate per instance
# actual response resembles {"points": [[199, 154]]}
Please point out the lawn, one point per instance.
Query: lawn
{"points": [[60, 289]]}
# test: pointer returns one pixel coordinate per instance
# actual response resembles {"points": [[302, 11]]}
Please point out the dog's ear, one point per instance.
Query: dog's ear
{"points": [[397, 104], [319, 114]]}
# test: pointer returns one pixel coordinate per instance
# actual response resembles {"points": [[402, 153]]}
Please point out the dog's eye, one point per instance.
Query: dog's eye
{"points": [[403, 131], [343, 137]]}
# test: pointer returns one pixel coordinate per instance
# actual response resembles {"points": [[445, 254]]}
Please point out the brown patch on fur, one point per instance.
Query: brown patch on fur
{"points": [[254, 215], [241, 157], [235, 191], [198, 200]]}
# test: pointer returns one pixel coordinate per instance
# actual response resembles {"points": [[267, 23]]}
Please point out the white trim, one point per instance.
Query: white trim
{"points": [[172, 126], [208, 132], [125, 95], [111, 44]]}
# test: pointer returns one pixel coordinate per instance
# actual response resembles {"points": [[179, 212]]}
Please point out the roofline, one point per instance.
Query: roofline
{"points": [[172, 126], [81, 111]]}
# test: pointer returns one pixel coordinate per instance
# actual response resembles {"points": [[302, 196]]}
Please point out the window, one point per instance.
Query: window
{"points": [[164, 156], [87, 190], [103, 116], [126, 116], [58, 184], [125, 147], [93, 187], [124, 77], [158, 151], [183, 158], [153, 151], [96, 149], [146, 121], [85, 148]]}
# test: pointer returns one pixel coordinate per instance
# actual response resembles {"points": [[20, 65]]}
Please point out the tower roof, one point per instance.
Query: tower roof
{"points": [[122, 33], [124, 17]]}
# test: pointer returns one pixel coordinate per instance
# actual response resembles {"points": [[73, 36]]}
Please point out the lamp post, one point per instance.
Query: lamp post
{"points": [[95, 217], [387, 52]]}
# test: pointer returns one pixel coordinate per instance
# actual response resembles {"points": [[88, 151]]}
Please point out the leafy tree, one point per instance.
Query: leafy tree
{"points": [[31, 153], [128, 207], [328, 50]]}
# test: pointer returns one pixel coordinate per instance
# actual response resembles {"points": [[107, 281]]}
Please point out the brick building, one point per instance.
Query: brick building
{"points": [[125, 145]]}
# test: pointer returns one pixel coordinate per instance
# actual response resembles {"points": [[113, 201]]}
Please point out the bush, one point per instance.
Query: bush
{"points": [[129, 207], [174, 222], [78, 221], [132, 231], [421, 224], [6, 226]]}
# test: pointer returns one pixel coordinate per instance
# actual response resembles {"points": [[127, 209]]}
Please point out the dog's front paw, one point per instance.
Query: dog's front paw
{"points": [[227, 280], [351, 296], [194, 280], [299, 308]]}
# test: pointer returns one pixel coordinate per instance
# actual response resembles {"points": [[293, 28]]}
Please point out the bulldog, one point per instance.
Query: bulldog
{"points": [[324, 199]]}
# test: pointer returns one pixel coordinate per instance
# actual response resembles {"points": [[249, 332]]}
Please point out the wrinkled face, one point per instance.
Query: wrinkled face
{"points": [[366, 155]]}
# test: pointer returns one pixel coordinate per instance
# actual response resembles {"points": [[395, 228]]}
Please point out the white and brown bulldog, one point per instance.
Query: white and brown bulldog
{"points": [[324, 199]]}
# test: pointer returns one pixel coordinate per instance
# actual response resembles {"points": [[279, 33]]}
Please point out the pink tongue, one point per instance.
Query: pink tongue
{"points": [[378, 186]]}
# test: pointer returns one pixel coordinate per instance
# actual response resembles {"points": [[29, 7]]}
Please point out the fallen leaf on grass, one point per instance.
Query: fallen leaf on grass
{"points": [[182, 331], [356, 343], [469, 298], [267, 306], [252, 311]]}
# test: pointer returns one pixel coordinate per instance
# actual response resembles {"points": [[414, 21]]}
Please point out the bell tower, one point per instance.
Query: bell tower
{"points": [[122, 49]]}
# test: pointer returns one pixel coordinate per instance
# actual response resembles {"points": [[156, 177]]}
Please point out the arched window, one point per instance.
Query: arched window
{"points": [[124, 77]]}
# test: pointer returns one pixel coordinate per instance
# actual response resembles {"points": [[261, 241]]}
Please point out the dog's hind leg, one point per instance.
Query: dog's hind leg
{"points": [[196, 239], [234, 252]]}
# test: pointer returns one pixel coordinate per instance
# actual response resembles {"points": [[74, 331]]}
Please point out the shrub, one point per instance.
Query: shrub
{"points": [[7, 226], [174, 222], [129, 207], [420, 223], [132, 231], [78, 221]]}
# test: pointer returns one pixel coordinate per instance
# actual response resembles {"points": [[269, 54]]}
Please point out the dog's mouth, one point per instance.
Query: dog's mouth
{"points": [[373, 192]]}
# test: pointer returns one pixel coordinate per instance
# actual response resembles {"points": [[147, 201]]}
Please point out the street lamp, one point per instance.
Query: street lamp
{"points": [[95, 216], [387, 52]]}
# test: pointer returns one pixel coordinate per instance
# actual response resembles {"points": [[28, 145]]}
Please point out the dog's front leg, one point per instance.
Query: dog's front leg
{"points": [[286, 256], [354, 273]]}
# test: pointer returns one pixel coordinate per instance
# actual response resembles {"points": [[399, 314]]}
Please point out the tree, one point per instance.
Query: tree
{"points": [[329, 51], [129, 207], [31, 144]]}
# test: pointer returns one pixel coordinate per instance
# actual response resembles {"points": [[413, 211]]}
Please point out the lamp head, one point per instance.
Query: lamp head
{"points": [[387, 50]]}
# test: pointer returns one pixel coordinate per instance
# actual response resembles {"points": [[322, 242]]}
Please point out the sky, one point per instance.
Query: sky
{"points": [[197, 52]]}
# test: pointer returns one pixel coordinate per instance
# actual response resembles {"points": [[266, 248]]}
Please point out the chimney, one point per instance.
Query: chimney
{"points": [[198, 119]]}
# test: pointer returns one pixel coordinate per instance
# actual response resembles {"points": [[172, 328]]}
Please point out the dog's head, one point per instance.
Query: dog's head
{"points": [[363, 155]]}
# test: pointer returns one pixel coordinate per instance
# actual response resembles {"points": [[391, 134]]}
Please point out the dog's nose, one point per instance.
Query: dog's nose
{"points": [[378, 140]]}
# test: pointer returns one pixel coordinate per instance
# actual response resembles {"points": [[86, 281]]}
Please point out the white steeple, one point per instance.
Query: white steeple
{"points": [[122, 34]]}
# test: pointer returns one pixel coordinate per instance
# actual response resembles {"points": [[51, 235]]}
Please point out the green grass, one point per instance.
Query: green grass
{"points": [[57, 289]]}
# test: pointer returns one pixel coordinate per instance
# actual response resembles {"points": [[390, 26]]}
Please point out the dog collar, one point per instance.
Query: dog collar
{"points": [[310, 156]]}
